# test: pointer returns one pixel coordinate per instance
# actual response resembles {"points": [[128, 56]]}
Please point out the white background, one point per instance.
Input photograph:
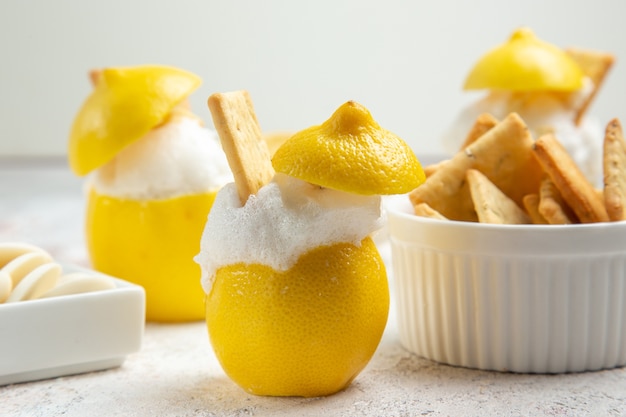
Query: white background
{"points": [[404, 60]]}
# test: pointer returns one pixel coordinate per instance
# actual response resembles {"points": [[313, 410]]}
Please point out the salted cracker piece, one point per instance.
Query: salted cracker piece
{"points": [[503, 154], [615, 171], [595, 65], [429, 170], [483, 123], [424, 210], [246, 151], [531, 204], [552, 206], [491, 204], [575, 188]]}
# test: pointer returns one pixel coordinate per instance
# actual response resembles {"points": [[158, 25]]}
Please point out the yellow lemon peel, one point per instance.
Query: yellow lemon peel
{"points": [[351, 152], [307, 331], [152, 244], [525, 63], [125, 104]]}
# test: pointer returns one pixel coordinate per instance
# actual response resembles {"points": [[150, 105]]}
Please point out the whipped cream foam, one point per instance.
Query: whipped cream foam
{"points": [[178, 158], [285, 219]]}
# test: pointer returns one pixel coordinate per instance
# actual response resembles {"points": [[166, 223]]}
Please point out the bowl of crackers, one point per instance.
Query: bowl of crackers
{"points": [[508, 258]]}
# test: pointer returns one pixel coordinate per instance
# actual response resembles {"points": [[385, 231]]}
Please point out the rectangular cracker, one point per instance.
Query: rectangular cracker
{"points": [[424, 210], [552, 206], [575, 188], [246, 151], [614, 162], [482, 125], [503, 154], [491, 204], [595, 65], [531, 204]]}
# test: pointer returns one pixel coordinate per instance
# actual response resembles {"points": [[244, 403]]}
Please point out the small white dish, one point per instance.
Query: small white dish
{"points": [[70, 334], [520, 298]]}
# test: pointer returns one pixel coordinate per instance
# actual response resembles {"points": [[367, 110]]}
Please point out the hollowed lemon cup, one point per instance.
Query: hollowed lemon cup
{"points": [[152, 244], [307, 331], [520, 298]]}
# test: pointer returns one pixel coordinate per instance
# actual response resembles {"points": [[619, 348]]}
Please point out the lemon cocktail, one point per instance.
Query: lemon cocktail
{"points": [[153, 172], [549, 87], [297, 293]]}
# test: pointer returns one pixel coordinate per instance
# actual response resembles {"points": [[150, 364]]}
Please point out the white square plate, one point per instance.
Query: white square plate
{"points": [[70, 334]]}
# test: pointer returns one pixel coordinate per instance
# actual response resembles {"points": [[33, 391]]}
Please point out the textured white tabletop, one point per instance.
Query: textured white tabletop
{"points": [[176, 374]]}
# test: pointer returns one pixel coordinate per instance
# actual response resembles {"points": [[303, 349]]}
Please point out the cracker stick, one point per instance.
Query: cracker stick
{"points": [[491, 204], [615, 171], [552, 206], [575, 188], [596, 66], [94, 76], [424, 210], [531, 204], [429, 170], [504, 154], [246, 151], [482, 125]]}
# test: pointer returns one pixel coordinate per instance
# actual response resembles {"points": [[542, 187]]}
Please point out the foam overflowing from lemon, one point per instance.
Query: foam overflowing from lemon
{"points": [[286, 219], [175, 159]]}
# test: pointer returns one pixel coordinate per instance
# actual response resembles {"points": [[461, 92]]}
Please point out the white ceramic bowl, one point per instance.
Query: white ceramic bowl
{"points": [[533, 298], [70, 334]]}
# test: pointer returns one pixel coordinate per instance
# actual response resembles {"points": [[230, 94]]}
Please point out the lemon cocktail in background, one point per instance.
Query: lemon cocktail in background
{"points": [[297, 293], [549, 87], [153, 171]]}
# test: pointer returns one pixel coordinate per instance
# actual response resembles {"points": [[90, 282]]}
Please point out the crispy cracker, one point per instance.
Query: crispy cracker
{"points": [[429, 170], [531, 204], [615, 171], [247, 153], [596, 66], [552, 206], [482, 125], [491, 204], [503, 154], [94, 76], [575, 188], [424, 210]]}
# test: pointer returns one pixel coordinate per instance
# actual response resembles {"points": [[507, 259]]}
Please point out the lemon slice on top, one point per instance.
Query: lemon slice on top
{"points": [[125, 104], [351, 152], [525, 63]]}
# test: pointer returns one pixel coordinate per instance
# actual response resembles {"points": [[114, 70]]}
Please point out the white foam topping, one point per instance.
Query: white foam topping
{"points": [[285, 219], [542, 112], [178, 158]]}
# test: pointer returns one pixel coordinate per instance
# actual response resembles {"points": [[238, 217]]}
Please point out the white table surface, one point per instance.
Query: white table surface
{"points": [[176, 374]]}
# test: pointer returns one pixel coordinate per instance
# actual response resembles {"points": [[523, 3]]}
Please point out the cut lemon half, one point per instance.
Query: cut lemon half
{"points": [[351, 152], [125, 104], [525, 63]]}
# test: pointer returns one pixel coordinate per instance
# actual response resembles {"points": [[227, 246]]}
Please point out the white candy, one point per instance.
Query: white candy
{"points": [[36, 282], [19, 267], [11, 250], [175, 159], [286, 219], [6, 285], [79, 282], [28, 272]]}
